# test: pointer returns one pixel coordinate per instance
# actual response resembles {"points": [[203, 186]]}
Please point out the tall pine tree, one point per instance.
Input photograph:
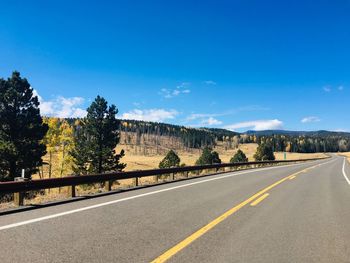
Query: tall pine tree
{"points": [[95, 140], [21, 129]]}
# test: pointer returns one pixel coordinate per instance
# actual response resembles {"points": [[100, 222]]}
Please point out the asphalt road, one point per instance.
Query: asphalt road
{"points": [[301, 213]]}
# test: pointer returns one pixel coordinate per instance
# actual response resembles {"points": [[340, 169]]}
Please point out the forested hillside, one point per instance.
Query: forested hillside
{"points": [[136, 132], [180, 137], [304, 142]]}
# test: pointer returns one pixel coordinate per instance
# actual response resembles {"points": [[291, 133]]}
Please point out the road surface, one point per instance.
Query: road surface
{"points": [[294, 213]]}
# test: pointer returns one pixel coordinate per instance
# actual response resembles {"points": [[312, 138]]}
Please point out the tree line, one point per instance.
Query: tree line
{"points": [[264, 152]]}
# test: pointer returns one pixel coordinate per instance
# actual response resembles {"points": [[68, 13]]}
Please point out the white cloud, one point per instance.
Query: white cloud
{"points": [[195, 116], [340, 130], [155, 115], [327, 89], [180, 89], [136, 104], [61, 107], [209, 82], [211, 121], [310, 119], [257, 125]]}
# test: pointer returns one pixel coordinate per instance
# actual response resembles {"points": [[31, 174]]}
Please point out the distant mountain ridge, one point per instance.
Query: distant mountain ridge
{"points": [[297, 133]]}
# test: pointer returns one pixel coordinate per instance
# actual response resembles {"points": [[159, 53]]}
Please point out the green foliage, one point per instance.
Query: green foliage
{"points": [[306, 142], [170, 160], [215, 157], [239, 157], [208, 157], [264, 153], [21, 129], [95, 140]]}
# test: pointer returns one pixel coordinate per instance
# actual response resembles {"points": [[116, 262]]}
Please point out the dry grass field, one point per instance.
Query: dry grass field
{"points": [[136, 160], [141, 162]]}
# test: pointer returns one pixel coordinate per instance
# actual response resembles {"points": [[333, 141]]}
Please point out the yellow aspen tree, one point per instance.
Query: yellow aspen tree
{"points": [[66, 146], [52, 140]]}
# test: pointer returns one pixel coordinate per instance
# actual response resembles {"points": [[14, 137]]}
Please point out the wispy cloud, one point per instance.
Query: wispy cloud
{"points": [[61, 107], [199, 116], [155, 115], [340, 130], [211, 121], [327, 89], [257, 125], [310, 119], [209, 82], [195, 116], [180, 89]]}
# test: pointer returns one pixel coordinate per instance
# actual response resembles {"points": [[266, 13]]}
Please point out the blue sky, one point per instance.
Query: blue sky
{"points": [[234, 64]]}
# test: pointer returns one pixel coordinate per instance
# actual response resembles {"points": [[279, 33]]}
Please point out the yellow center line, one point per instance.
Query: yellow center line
{"points": [[187, 241], [292, 177], [259, 200]]}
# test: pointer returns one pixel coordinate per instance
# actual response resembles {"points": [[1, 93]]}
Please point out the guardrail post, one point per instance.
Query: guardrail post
{"points": [[72, 191], [198, 172], [18, 198], [156, 178], [136, 181], [108, 185], [172, 176], [186, 174]]}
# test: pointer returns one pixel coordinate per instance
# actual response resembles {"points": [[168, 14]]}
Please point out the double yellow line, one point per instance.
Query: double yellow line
{"points": [[254, 200]]}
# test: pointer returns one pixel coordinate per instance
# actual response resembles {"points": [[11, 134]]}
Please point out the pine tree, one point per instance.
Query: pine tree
{"points": [[264, 153], [21, 129], [170, 160], [215, 158], [96, 139], [239, 157], [208, 157]]}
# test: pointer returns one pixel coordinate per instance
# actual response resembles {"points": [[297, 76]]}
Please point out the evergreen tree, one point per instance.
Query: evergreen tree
{"points": [[239, 157], [170, 160], [208, 157], [215, 158], [81, 152], [96, 139], [264, 153], [21, 129]]}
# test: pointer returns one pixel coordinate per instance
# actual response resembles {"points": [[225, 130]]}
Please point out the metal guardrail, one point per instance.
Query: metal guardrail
{"points": [[20, 187]]}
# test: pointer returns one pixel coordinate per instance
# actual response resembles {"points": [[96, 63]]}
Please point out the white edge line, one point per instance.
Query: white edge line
{"points": [[31, 221], [344, 173]]}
